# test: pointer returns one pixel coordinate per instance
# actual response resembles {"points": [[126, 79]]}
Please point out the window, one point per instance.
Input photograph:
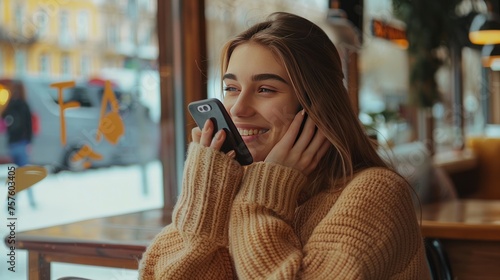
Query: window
{"points": [[66, 65], [44, 64], [85, 66], [42, 22], [146, 34], [19, 18], [67, 48], [2, 10], [20, 60], [64, 29], [80, 95], [83, 25], [112, 35], [146, 5]]}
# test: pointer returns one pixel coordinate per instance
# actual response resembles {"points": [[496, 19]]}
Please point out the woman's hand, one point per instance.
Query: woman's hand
{"points": [[204, 137], [303, 154]]}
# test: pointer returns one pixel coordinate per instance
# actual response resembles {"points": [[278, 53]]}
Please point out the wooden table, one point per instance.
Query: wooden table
{"points": [[455, 161], [117, 241], [470, 233]]}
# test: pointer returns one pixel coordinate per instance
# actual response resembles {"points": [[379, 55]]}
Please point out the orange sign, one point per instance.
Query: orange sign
{"points": [[389, 32]]}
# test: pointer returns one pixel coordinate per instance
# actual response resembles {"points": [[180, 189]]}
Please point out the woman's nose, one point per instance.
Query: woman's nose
{"points": [[242, 106]]}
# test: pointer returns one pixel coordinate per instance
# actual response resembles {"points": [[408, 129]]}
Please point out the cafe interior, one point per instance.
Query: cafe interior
{"points": [[423, 76]]}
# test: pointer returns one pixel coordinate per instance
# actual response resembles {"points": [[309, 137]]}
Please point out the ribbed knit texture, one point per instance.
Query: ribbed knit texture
{"points": [[227, 225]]}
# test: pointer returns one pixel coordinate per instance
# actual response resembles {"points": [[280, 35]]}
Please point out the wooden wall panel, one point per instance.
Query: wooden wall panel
{"points": [[182, 66]]}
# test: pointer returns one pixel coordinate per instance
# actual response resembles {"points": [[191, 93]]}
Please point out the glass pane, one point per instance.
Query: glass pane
{"points": [[80, 98]]}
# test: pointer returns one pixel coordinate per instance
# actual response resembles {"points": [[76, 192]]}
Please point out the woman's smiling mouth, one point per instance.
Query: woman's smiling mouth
{"points": [[250, 132]]}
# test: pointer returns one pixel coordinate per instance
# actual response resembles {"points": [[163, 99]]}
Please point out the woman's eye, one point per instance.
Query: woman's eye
{"points": [[230, 89], [266, 90]]}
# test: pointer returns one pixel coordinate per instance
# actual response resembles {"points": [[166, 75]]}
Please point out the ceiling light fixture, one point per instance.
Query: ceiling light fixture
{"points": [[485, 28]]}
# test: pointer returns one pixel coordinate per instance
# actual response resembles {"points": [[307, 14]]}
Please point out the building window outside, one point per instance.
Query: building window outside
{"points": [[66, 65], [44, 64], [83, 25], [128, 37], [20, 60], [112, 35], [146, 5], [42, 23], [19, 18], [85, 66], [2, 10], [64, 31], [147, 35]]}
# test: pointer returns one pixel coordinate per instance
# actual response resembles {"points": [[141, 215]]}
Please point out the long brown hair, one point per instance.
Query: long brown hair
{"points": [[314, 68]]}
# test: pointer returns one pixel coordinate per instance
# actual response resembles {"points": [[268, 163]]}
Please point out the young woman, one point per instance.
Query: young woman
{"points": [[317, 203]]}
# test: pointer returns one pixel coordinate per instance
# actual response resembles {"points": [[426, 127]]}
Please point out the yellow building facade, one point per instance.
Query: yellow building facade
{"points": [[53, 38]]}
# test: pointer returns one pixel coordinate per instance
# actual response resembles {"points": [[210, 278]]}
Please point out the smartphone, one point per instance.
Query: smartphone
{"points": [[213, 109]]}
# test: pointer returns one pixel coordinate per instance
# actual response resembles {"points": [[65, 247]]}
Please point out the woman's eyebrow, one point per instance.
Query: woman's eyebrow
{"points": [[229, 76], [258, 77], [267, 76]]}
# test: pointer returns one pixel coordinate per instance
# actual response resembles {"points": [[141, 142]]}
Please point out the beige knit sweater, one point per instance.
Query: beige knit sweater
{"points": [[231, 223]]}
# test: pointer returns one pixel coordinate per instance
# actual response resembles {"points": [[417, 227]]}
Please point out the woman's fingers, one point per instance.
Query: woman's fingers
{"points": [[307, 133], [319, 154], [316, 143], [207, 133], [304, 151], [218, 139], [196, 134], [288, 140], [204, 136]]}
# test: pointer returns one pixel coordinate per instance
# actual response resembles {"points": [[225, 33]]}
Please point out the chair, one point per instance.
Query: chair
{"points": [[487, 150], [414, 162], [437, 260]]}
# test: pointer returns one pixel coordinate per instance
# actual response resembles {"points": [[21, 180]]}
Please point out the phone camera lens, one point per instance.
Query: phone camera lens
{"points": [[204, 108]]}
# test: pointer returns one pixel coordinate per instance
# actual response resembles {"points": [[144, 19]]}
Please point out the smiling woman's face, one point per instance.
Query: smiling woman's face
{"points": [[259, 97]]}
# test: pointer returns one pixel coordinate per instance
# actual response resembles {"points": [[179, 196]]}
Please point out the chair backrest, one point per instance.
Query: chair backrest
{"points": [[414, 162], [437, 260], [487, 151]]}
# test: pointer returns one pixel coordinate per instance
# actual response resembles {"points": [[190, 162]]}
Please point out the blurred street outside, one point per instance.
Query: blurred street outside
{"points": [[67, 197]]}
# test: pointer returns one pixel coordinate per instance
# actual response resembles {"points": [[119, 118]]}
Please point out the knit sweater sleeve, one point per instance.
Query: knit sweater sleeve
{"points": [[262, 240], [371, 232], [194, 245]]}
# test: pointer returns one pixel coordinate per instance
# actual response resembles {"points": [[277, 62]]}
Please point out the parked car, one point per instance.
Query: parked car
{"points": [[138, 144]]}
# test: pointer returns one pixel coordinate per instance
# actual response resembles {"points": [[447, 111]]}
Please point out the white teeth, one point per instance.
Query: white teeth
{"points": [[250, 132]]}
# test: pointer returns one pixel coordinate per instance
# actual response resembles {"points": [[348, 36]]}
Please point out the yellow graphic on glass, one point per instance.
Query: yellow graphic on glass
{"points": [[27, 176], [85, 153], [111, 124], [64, 106]]}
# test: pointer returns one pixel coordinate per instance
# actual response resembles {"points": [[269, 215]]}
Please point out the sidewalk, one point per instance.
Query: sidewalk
{"points": [[67, 197]]}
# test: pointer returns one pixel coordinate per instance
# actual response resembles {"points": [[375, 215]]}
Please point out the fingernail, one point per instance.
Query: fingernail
{"points": [[218, 135], [231, 154], [205, 126], [303, 111]]}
